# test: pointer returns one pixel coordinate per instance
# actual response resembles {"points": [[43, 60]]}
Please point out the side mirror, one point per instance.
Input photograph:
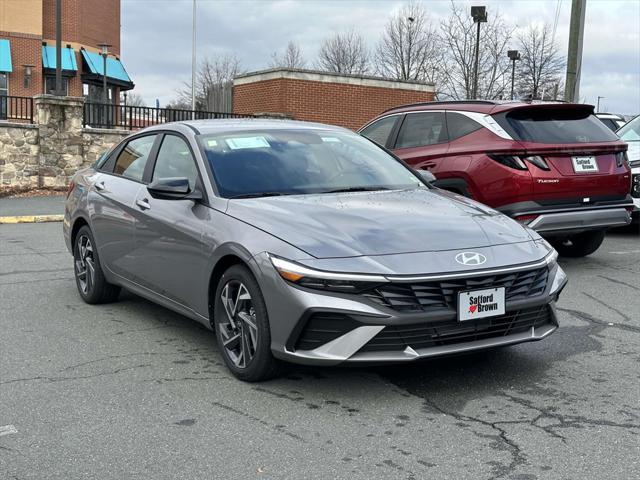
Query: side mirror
{"points": [[176, 188], [426, 176]]}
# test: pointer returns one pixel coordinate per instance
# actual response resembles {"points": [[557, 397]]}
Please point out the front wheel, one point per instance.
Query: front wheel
{"points": [[242, 326], [580, 244]]}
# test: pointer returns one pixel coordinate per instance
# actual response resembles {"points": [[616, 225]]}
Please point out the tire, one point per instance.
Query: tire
{"points": [[242, 328], [91, 283], [581, 244]]}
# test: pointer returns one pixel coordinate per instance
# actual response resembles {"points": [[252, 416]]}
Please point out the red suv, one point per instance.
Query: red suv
{"points": [[552, 166]]}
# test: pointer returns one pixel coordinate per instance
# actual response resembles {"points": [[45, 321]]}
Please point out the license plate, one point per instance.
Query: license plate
{"points": [[477, 304], [585, 164]]}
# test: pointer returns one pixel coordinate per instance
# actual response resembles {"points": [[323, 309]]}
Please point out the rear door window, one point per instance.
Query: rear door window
{"points": [[419, 129], [380, 130], [133, 157], [459, 125], [556, 126]]}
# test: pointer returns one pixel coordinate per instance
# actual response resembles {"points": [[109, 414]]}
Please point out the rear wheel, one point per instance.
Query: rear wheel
{"points": [[580, 244], [242, 326], [91, 283]]}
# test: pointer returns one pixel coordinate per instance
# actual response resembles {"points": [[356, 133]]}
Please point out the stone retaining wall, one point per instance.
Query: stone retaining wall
{"points": [[19, 155], [48, 153]]}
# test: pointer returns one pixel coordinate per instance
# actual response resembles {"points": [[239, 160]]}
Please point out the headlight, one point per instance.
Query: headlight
{"points": [[552, 256], [559, 280], [635, 185], [323, 280]]}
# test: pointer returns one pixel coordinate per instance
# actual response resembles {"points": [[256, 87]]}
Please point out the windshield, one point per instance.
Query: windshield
{"points": [[286, 162], [556, 126], [631, 131]]}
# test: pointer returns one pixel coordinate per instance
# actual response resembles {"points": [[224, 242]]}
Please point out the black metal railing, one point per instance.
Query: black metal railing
{"points": [[16, 109], [129, 117]]}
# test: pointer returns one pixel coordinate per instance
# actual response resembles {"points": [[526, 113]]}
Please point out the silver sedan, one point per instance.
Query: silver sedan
{"points": [[304, 243]]}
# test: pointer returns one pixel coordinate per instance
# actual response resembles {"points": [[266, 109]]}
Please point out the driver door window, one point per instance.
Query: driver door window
{"points": [[175, 160]]}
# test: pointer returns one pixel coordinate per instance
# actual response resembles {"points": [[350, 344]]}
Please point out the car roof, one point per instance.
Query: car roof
{"points": [[212, 126], [480, 106]]}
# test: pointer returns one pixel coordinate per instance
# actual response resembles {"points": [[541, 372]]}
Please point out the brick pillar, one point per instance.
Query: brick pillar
{"points": [[59, 122]]}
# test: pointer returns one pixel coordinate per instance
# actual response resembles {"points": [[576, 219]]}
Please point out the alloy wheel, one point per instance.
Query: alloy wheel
{"points": [[85, 264], [238, 328]]}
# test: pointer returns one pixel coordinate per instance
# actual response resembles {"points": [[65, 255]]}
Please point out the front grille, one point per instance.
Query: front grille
{"points": [[322, 327], [423, 296], [425, 335]]}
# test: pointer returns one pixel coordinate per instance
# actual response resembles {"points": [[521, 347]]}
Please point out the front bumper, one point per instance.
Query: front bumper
{"points": [[290, 308]]}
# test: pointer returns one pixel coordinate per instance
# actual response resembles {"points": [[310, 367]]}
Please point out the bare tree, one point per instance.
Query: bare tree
{"points": [[459, 39], [291, 58], [344, 53], [409, 48], [541, 66], [214, 82], [133, 99]]}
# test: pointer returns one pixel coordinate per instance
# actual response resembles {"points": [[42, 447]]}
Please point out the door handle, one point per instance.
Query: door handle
{"points": [[429, 164], [99, 185], [143, 204]]}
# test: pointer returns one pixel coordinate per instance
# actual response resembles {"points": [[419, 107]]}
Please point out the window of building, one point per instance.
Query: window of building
{"points": [[420, 129], [4, 84], [4, 91], [93, 93], [133, 157], [50, 85]]}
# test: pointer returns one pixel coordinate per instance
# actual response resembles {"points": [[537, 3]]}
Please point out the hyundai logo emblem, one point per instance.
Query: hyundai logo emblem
{"points": [[470, 258]]}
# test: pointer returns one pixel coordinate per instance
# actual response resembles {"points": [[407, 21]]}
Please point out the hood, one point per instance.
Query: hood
{"points": [[378, 223]]}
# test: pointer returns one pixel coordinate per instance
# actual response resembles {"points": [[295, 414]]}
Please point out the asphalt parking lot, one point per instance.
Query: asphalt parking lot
{"points": [[131, 390]]}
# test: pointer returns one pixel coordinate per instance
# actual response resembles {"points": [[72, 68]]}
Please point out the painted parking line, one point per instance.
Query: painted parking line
{"points": [[7, 430], [31, 219]]}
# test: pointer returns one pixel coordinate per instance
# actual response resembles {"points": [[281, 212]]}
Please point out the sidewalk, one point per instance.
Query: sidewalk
{"points": [[32, 209]]}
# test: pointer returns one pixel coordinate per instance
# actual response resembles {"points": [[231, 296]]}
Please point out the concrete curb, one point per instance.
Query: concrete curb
{"points": [[31, 219]]}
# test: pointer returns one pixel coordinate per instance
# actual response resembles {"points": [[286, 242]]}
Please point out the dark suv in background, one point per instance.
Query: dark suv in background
{"points": [[552, 166]]}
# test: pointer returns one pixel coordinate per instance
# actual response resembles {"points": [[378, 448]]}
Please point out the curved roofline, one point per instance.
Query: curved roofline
{"points": [[227, 124]]}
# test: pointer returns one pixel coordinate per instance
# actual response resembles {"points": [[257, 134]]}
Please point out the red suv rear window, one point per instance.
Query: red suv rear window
{"points": [[555, 125]]}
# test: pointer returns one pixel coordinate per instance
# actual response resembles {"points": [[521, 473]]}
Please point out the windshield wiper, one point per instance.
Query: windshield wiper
{"points": [[258, 195], [355, 189]]}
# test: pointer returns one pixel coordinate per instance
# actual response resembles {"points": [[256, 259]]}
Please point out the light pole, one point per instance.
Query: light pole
{"points": [[58, 89], [479, 15], [513, 56], [104, 47], [193, 64], [598, 106]]}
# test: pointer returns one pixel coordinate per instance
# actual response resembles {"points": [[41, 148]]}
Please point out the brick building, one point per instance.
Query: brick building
{"points": [[27, 48], [346, 100]]}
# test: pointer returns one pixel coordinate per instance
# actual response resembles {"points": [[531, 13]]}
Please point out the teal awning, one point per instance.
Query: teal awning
{"points": [[115, 69], [5, 56], [68, 58]]}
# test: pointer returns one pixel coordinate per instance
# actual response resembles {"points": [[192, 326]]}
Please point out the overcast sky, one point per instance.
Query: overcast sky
{"points": [[156, 37]]}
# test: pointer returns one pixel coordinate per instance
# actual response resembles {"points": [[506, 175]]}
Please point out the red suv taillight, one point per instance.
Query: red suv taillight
{"points": [[517, 162], [511, 161], [538, 161], [621, 159]]}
